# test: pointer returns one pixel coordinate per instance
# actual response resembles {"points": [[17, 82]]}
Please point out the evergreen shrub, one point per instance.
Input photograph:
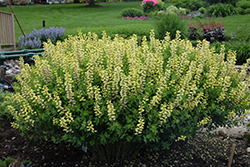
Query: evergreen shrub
{"points": [[243, 4], [110, 94], [221, 10], [233, 2], [170, 23], [131, 12]]}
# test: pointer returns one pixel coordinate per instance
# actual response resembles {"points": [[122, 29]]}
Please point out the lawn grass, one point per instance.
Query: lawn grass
{"points": [[74, 17]]}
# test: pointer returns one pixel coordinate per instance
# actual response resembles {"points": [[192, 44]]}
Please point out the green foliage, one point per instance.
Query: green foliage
{"points": [[5, 114], [161, 13], [6, 162], [221, 10], [242, 49], [170, 23], [243, 4], [202, 10], [233, 2], [192, 4], [131, 12], [172, 10], [188, 11], [242, 33]]}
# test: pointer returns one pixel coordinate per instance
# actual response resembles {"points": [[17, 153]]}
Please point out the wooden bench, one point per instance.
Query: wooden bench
{"points": [[7, 32]]}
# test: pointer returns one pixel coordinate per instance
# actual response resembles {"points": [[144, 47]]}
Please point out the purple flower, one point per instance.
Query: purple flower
{"points": [[37, 37]]}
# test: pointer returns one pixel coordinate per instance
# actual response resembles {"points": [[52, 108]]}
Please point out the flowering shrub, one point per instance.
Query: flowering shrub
{"points": [[161, 13], [182, 11], [136, 18], [149, 5], [37, 37], [105, 92], [172, 10]]}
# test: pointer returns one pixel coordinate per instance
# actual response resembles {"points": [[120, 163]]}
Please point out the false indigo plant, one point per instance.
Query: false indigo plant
{"points": [[36, 38]]}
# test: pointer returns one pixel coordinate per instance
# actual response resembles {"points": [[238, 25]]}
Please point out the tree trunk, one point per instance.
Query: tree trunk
{"points": [[91, 2]]}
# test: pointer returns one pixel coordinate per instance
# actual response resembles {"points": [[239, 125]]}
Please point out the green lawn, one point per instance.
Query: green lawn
{"points": [[74, 17]]}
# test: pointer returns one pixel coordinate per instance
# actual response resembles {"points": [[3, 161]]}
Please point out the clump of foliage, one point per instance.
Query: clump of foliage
{"points": [[240, 43], [7, 161], [211, 31], [202, 10], [242, 49], [20, 2], [131, 12], [114, 94], [172, 10], [11, 162], [5, 101], [161, 13], [170, 23], [221, 10], [233, 2], [191, 5], [243, 4], [36, 38]]}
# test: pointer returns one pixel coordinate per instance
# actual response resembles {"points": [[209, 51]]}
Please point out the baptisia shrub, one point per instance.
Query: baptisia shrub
{"points": [[36, 38], [107, 92]]}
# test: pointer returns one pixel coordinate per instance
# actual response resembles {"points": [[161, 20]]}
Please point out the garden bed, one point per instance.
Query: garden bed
{"points": [[199, 151]]}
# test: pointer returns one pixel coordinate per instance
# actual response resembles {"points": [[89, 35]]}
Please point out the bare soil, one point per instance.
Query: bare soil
{"points": [[199, 151]]}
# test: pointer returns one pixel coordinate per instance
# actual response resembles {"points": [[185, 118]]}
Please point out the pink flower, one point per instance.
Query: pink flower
{"points": [[153, 4]]}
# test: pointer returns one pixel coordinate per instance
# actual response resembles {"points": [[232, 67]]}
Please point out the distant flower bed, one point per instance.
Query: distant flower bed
{"points": [[35, 39], [136, 18]]}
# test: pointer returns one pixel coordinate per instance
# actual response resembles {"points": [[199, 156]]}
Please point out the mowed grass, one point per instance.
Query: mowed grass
{"points": [[75, 17]]}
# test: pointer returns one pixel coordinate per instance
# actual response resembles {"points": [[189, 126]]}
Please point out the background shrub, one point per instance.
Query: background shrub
{"points": [[192, 5], [5, 101], [242, 49], [131, 12], [233, 2], [36, 38], [170, 23], [221, 10], [172, 10], [243, 4], [202, 10], [161, 13], [150, 6], [20, 2], [105, 91]]}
